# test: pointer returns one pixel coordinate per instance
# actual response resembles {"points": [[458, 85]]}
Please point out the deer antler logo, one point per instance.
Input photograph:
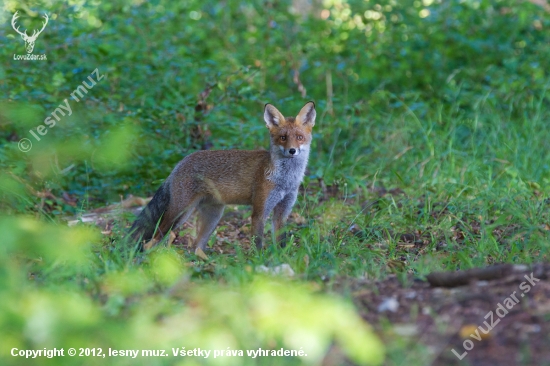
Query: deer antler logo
{"points": [[29, 40]]}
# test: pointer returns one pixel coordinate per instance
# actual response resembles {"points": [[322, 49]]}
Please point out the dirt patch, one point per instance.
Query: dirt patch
{"points": [[461, 318], [234, 227]]}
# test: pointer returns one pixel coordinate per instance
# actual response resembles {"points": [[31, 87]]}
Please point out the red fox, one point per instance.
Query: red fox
{"points": [[209, 180]]}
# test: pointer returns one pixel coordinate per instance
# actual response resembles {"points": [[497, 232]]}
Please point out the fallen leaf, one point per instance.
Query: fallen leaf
{"points": [[151, 243], [171, 238], [470, 329], [297, 218], [406, 245], [200, 253]]}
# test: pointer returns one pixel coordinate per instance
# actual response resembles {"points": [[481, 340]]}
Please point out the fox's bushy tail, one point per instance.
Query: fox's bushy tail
{"points": [[148, 219]]}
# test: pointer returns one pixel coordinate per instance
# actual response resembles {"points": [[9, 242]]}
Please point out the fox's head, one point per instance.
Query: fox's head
{"points": [[290, 135]]}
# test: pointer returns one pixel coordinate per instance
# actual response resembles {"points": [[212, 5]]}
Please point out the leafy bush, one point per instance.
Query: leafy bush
{"points": [[446, 99]]}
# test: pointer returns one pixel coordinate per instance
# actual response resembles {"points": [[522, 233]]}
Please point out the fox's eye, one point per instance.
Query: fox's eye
{"points": [[300, 137], [283, 138]]}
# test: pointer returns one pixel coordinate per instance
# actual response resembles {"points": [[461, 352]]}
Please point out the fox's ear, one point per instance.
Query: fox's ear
{"points": [[307, 115], [272, 116]]}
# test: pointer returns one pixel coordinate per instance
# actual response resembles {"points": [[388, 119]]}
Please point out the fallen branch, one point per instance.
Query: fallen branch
{"points": [[461, 278], [129, 202]]}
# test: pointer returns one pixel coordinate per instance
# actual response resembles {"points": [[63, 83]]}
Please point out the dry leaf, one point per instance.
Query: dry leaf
{"points": [[200, 253], [405, 245], [151, 243], [470, 329], [171, 238], [297, 218], [395, 265]]}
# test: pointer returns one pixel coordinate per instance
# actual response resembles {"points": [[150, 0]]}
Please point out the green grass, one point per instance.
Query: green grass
{"points": [[431, 137]]}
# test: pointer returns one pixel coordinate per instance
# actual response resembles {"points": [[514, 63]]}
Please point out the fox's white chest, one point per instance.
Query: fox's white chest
{"points": [[288, 173]]}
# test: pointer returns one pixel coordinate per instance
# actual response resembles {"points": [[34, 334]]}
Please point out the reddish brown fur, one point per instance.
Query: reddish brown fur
{"points": [[209, 180]]}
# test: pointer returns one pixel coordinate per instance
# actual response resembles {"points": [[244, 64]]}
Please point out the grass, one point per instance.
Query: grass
{"points": [[408, 196], [416, 166]]}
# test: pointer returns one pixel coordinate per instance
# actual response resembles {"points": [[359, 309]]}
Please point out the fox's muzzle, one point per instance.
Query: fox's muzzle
{"points": [[290, 153]]}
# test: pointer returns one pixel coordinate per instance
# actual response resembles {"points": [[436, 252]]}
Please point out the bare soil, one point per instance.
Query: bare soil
{"points": [[444, 319]]}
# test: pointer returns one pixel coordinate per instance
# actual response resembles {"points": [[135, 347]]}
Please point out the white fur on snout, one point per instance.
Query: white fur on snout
{"points": [[300, 149], [286, 152]]}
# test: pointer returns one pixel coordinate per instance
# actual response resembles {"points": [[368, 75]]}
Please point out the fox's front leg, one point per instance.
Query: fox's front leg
{"points": [[261, 209], [280, 214], [258, 223]]}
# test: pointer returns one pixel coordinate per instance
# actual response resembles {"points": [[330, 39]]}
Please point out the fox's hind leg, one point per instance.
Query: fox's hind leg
{"points": [[209, 214], [176, 215]]}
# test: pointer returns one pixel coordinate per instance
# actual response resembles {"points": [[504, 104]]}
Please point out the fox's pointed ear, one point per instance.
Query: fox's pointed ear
{"points": [[307, 115], [272, 116]]}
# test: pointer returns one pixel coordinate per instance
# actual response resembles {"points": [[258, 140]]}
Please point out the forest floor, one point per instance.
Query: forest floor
{"points": [[493, 315]]}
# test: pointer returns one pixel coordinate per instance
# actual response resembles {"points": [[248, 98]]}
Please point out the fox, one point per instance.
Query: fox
{"points": [[208, 180]]}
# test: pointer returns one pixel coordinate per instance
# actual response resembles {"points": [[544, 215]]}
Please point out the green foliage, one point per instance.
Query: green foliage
{"points": [[457, 71], [49, 311], [445, 100]]}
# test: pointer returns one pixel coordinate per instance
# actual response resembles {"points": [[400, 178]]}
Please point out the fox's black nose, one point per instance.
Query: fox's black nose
{"points": [[292, 151]]}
